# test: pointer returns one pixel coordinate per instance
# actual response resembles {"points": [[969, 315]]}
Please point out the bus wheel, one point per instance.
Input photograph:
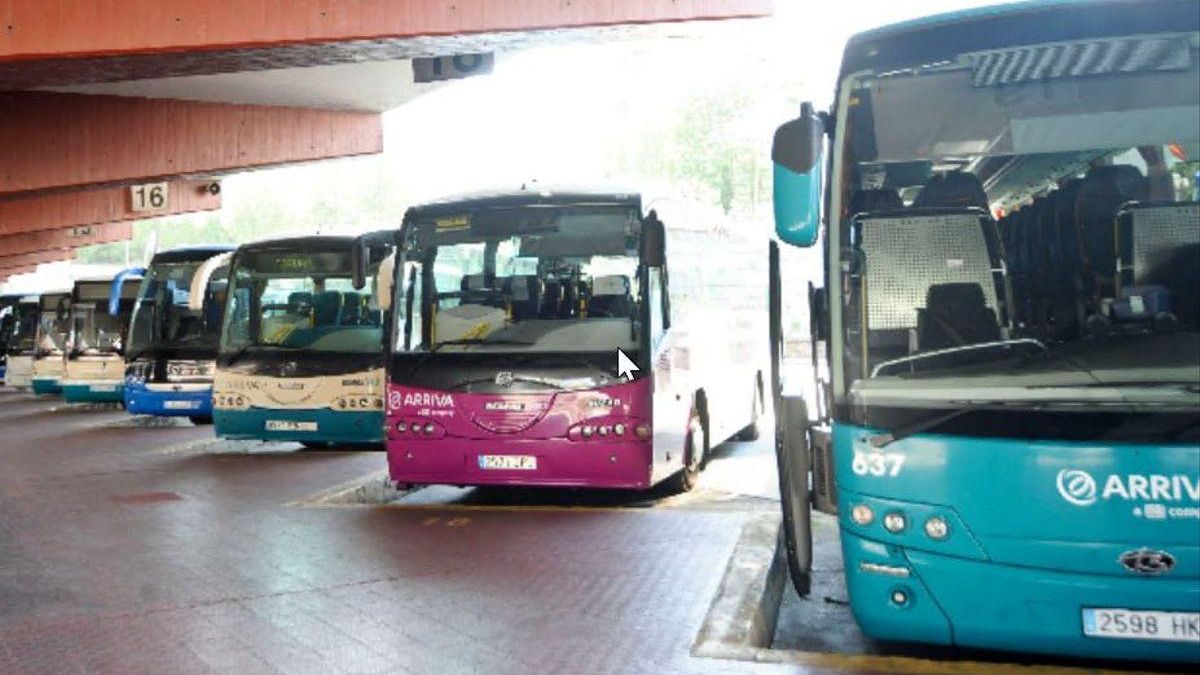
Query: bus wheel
{"points": [[200, 420], [751, 431], [687, 477]]}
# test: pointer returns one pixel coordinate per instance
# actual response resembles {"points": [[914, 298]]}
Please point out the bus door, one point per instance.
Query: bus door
{"points": [[798, 157]]}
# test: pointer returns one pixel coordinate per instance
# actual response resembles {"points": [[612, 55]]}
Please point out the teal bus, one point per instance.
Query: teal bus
{"points": [[1003, 402]]}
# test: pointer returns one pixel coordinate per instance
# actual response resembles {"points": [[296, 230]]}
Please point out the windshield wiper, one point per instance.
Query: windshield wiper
{"points": [[466, 341], [924, 424]]}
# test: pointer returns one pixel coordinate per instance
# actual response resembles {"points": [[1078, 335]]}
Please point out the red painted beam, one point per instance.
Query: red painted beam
{"points": [[13, 271], [59, 210], [65, 238], [35, 259], [40, 29], [51, 140]]}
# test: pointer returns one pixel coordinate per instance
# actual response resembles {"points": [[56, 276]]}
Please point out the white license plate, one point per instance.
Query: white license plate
{"points": [[508, 462], [180, 405], [1140, 624], [104, 387], [290, 425]]}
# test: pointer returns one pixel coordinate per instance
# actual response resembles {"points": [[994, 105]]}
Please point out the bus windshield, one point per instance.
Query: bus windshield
{"points": [[1038, 227], [561, 279], [93, 329], [25, 328], [54, 327], [298, 299], [161, 317]]}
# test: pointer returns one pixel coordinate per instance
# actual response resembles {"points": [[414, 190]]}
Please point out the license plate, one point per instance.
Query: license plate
{"points": [[1140, 624], [180, 405], [104, 387], [508, 462], [290, 425]]}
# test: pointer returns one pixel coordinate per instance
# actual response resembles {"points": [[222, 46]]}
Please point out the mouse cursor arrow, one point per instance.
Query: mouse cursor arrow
{"points": [[625, 366]]}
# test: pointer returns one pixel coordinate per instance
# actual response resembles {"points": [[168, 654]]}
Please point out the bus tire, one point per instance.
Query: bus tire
{"points": [[751, 431], [694, 458], [200, 420]]}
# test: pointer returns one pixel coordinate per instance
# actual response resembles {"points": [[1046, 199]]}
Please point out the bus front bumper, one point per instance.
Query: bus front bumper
{"points": [[100, 391], [46, 385], [314, 425], [981, 604], [555, 462], [140, 400]]}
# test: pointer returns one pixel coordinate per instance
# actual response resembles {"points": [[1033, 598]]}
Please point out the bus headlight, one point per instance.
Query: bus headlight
{"points": [[895, 522], [401, 427], [587, 431], [642, 431], [937, 528], [619, 429], [862, 514]]}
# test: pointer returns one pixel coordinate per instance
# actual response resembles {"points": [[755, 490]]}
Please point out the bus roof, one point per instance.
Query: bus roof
{"points": [[191, 253], [523, 198], [309, 241], [942, 36]]}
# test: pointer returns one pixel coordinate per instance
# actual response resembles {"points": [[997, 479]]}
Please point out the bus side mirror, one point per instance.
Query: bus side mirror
{"points": [[360, 259], [798, 153], [63, 310], [818, 312], [654, 246]]}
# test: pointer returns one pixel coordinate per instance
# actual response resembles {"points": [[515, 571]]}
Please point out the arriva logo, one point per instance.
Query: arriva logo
{"points": [[1077, 487]]}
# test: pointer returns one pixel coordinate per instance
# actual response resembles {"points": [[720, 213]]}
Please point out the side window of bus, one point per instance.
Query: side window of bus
{"points": [[657, 297]]}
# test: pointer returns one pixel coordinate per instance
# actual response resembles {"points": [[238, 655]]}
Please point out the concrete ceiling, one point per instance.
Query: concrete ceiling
{"points": [[361, 75], [371, 86]]}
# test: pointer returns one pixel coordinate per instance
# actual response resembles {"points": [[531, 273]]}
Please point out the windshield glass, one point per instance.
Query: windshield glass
{"points": [[93, 329], [300, 299], [161, 317], [8, 324], [54, 328], [25, 328], [528, 280], [1032, 219]]}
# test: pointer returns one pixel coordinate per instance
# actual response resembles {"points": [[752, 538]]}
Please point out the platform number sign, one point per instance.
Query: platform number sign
{"points": [[148, 197], [458, 66]]}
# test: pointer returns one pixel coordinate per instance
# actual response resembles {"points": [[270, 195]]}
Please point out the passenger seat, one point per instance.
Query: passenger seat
{"points": [[955, 314], [875, 201], [1104, 190], [957, 189], [611, 297], [525, 295]]}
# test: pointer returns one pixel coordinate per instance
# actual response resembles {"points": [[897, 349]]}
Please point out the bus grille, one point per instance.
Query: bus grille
{"points": [[507, 422]]}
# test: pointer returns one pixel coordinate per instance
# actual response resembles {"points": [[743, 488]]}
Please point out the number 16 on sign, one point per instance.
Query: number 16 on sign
{"points": [[148, 197]]}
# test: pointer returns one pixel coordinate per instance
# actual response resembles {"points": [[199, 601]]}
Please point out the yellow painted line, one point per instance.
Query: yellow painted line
{"points": [[905, 665]]}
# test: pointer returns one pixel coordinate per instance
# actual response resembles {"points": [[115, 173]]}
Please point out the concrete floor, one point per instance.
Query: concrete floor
{"points": [[132, 548], [154, 550]]}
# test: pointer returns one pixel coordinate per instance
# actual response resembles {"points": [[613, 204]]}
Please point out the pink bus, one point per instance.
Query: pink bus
{"points": [[532, 344]]}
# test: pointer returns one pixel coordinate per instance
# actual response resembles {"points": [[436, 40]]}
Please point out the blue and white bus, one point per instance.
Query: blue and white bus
{"points": [[172, 350], [1006, 420], [100, 310]]}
